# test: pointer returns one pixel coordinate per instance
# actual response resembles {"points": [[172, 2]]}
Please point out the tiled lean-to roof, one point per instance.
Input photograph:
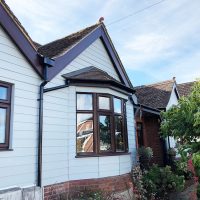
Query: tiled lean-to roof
{"points": [[60, 46], [155, 95], [184, 89], [94, 76]]}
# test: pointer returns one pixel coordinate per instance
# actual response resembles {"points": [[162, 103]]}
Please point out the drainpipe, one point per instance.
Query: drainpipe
{"points": [[47, 62]]}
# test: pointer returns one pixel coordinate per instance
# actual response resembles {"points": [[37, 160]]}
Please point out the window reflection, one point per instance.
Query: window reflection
{"points": [[117, 105], [84, 102], [2, 125], [3, 93], [119, 139], [104, 103], [84, 133], [105, 134]]}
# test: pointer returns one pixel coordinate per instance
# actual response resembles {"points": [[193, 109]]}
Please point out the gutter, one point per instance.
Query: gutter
{"points": [[47, 62]]}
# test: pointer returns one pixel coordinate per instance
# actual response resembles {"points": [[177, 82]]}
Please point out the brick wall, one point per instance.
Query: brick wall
{"points": [[153, 140], [109, 184], [151, 127]]}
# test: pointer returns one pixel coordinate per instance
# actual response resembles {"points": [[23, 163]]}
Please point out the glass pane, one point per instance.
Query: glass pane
{"points": [[105, 134], [119, 139], [84, 102], [140, 134], [104, 103], [2, 125], [117, 105], [84, 136], [3, 93]]}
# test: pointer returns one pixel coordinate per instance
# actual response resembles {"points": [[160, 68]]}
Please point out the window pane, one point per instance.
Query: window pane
{"points": [[119, 139], [3, 93], [105, 134], [117, 105], [2, 125], [104, 103], [140, 134], [84, 137], [84, 102]]}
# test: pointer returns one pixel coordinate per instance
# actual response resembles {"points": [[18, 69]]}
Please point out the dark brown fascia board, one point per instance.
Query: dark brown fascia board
{"points": [[62, 61], [100, 82], [20, 40], [147, 109]]}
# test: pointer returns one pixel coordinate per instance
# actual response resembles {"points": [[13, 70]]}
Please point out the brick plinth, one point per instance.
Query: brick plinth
{"points": [[109, 184]]}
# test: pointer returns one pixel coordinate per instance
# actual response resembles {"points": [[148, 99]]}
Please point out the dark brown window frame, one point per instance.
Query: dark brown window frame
{"points": [[96, 113], [6, 104]]}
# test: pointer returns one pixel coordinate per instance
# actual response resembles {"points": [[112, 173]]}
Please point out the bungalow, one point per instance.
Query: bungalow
{"points": [[159, 97], [151, 100], [66, 113]]}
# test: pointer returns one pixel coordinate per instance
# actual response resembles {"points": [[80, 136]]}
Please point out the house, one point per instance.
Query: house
{"points": [[157, 97], [66, 113], [184, 89]]}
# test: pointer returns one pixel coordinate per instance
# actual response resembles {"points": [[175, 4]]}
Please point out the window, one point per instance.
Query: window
{"points": [[140, 138], [5, 104], [101, 124]]}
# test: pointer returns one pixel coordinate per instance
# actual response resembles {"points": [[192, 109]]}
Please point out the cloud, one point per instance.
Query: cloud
{"points": [[160, 42]]}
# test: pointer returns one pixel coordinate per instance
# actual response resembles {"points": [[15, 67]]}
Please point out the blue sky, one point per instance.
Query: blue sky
{"points": [[154, 45]]}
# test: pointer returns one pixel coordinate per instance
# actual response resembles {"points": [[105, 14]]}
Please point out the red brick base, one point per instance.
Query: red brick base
{"points": [[115, 183]]}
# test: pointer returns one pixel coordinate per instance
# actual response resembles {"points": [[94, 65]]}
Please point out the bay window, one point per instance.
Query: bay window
{"points": [[101, 124]]}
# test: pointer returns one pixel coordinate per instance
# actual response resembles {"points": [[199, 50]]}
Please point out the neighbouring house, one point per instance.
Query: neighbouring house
{"points": [[66, 113], [184, 89], [159, 97]]}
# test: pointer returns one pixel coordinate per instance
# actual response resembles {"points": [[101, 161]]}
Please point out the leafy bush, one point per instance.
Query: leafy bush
{"points": [[162, 181], [145, 156], [137, 177], [171, 152], [181, 169], [198, 191], [196, 162]]}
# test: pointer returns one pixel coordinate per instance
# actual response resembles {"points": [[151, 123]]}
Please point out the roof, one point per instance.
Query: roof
{"points": [[89, 73], [184, 89], [64, 50], [93, 75], [60, 46], [155, 95]]}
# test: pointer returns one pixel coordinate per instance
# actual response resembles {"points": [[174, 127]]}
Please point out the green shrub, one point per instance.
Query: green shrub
{"points": [[161, 181], [145, 156], [198, 191], [181, 169], [196, 162]]}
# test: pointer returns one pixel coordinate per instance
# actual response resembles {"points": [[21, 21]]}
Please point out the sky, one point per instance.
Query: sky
{"points": [[155, 43]]}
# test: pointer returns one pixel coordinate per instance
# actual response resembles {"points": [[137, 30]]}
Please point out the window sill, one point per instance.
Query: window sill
{"points": [[6, 150], [102, 155]]}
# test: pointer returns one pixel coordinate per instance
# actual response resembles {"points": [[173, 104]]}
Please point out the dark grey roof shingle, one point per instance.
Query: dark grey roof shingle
{"points": [[155, 95], [90, 73], [60, 46], [184, 89]]}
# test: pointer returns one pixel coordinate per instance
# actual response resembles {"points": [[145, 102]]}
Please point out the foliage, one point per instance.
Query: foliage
{"points": [[171, 152], [162, 181], [183, 120], [137, 177], [198, 191], [145, 155], [145, 152], [196, 162], [87, 195]]}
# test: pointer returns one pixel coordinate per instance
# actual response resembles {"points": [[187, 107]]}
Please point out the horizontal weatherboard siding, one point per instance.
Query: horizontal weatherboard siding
{"points": [[19, 166]]}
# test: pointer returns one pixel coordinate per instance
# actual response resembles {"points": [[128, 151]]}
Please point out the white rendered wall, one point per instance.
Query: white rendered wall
{"points": [[19, 166], [172, 101]]}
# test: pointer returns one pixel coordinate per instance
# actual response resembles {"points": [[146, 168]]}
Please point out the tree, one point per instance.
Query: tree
{"points": [[183, 120]]}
